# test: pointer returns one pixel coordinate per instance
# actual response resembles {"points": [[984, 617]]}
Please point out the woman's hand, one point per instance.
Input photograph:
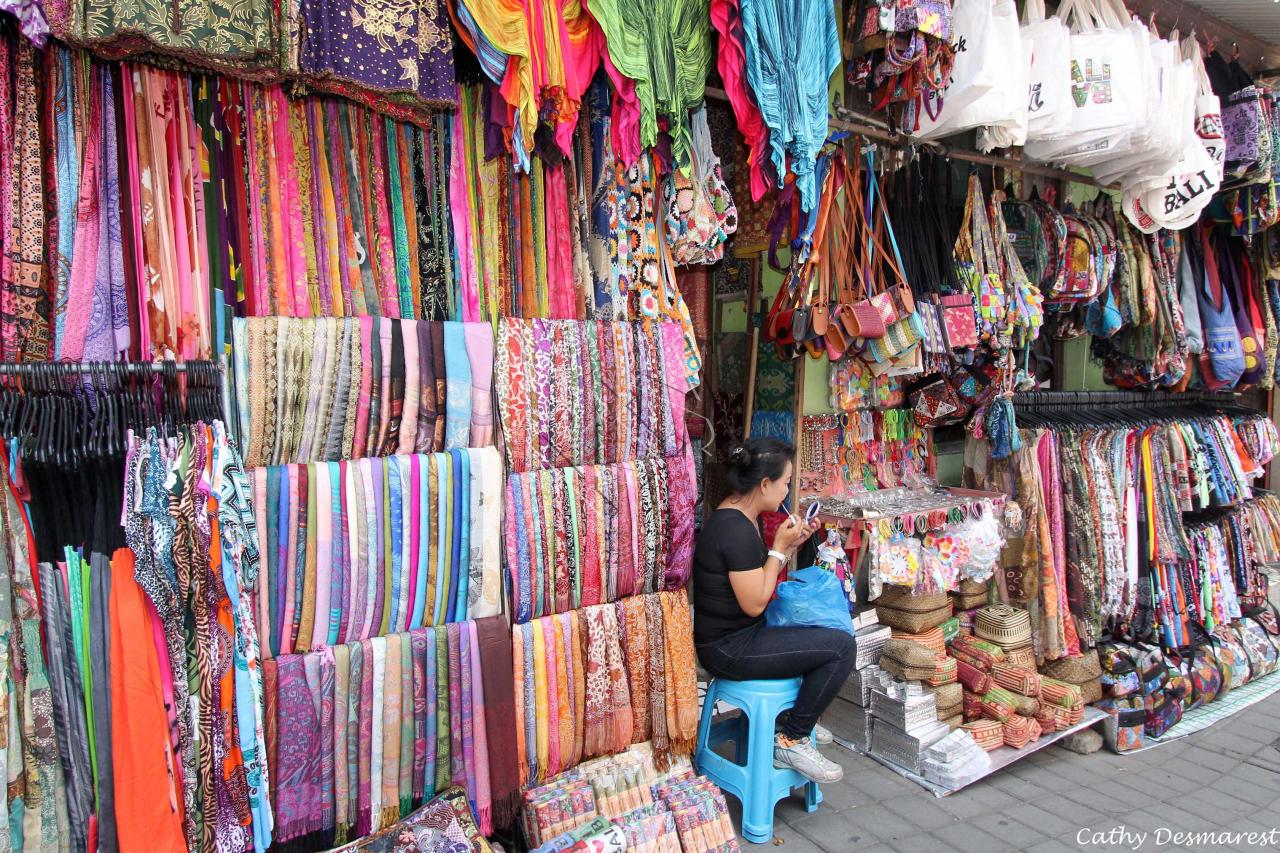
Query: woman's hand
{"points": [[792, 534]]}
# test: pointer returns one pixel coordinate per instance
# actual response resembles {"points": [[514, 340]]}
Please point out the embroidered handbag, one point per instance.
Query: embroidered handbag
{"points": [[1129, 722], [959, 323], [937, 404], [1259, 647], [1233, 660]]}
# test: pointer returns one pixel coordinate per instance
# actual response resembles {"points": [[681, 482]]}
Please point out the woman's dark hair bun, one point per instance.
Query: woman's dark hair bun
{"points": [[755, 460]]}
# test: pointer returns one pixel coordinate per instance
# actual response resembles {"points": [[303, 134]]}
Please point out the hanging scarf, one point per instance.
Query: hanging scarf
{"points": [[681, 684], [635, 635], [444, 712], [298, 782], [503, 753], [657, 678]]}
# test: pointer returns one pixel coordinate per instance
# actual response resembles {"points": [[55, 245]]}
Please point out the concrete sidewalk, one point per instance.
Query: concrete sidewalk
{"points": [[1225, 778]]}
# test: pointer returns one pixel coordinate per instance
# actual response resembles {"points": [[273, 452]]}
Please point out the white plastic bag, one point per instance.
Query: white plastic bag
{"points": [[1047, 43]]}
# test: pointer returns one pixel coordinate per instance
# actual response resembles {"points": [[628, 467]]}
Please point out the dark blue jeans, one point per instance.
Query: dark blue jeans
{"points": [[823, 657]]}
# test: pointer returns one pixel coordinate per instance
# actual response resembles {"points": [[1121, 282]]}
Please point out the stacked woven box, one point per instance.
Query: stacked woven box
{"points": [[996, 684], [898, 608], [949, 699], [970, 595], [1084, 672]]}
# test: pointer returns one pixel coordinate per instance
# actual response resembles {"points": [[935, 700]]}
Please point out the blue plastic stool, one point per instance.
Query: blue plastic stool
{"points": [[754, 780]]}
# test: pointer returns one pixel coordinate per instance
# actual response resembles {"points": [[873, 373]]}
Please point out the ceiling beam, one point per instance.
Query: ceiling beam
{"points": [[1255, 54]]}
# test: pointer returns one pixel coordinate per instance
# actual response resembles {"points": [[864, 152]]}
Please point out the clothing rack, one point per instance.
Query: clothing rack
{"points": [[50, 369], [1029, 400]]}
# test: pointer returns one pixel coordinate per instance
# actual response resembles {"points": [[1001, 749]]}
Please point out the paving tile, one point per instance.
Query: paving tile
{"points": [[1052, 846], [922, 816], [921, 842], [1014, 832], [971, 837], [833, 831], [1044, 817], [789, 840], [879, 821]]}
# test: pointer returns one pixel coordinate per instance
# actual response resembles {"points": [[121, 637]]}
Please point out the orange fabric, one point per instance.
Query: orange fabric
{"points": [[148, 799]]}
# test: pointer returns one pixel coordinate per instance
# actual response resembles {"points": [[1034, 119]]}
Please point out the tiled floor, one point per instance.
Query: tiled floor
{"points": [[1225, 778]]}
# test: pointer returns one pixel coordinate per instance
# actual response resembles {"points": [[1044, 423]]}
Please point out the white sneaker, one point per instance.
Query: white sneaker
{"points": [[822, 734], [804, 758]]}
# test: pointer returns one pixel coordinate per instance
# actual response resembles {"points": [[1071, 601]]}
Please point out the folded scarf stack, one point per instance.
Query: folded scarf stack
{"points": [[354, 550], [323, 389], [592, 681], [364, 732]]}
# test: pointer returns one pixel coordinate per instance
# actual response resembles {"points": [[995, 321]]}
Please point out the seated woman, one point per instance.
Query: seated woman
{"points": [[734, 576]]}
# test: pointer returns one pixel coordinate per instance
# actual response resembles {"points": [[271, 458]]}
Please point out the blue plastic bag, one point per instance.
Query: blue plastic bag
{"points": [[811, 598]]}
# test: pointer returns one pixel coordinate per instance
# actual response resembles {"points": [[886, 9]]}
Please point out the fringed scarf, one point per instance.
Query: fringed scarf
{"points": [[635, 639], [297, 777], [657, 679], [505, 748], [682, 680]]}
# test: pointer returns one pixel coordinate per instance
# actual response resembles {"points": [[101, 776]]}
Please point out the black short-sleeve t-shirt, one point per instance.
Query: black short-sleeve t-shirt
{"points": [[728, 542]]}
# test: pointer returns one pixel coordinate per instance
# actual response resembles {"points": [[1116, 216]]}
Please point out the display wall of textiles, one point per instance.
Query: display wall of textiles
{"points": [[595, 680], [260, 209], [320, 390], [1103, 540], [359, 549], [360, 734]]}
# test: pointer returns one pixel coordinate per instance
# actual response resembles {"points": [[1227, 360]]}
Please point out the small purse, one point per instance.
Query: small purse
{"points": [[959, 323]]}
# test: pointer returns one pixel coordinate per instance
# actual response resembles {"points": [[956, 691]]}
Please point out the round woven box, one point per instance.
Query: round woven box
{"points": [[1091, 691], [968, 602], [1000, 623], [907, 660], [947, 695], [968, 587]]}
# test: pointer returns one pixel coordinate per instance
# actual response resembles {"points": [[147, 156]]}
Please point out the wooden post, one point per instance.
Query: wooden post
{"points": [[753, 295]]}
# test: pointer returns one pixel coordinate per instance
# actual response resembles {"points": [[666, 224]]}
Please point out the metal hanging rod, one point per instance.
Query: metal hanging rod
{"points": [[53, 368], [867, 126]]}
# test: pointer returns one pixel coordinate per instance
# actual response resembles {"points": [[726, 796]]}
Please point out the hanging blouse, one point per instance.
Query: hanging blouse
{"points": [[665, 47], [792, 49]]}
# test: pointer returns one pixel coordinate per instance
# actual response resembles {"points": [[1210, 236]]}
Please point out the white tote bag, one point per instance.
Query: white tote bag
{"points": [[975, 72], [1178, 201], [1047, 41], [1107, 87]]}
